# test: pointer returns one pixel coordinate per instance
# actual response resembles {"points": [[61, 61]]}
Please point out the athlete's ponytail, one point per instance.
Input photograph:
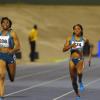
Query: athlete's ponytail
{"points": [[80, 27]]}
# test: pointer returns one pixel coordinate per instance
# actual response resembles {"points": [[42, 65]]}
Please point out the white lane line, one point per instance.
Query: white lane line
{"points": [[29, 75], [90, 83], [37, 85], [34, 86]]}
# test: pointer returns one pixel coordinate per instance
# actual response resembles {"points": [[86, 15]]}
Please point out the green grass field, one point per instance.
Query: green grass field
{"points": [[55, 25]]}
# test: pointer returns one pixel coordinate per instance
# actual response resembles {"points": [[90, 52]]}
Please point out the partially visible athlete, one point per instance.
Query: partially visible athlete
{"points": [[76, 64], [9, 45]]}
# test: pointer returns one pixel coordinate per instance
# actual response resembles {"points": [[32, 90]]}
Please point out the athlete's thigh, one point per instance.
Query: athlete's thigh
{"points": [[80, 66], [72, 69], [2, 68], [71, 65]]}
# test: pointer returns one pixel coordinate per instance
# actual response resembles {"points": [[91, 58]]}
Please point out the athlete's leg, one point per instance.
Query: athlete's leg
{"points": [[73, 75], [2, 77], [80, 67], [11, 71]]}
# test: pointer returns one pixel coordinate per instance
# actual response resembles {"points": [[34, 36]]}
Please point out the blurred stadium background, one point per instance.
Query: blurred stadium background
{"points": [[55, 19]]}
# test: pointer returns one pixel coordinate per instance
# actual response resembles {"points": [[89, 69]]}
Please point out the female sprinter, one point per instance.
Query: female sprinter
{"points": [[76, 63], [9, 44]]}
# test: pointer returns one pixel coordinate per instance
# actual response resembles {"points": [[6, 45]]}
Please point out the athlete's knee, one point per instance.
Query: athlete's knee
{"points": [[74, 80], [79, 72], [80, 77], [2, 76], [12, 78]]}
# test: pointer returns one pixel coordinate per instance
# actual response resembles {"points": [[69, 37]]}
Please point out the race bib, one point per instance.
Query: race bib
{"points": [[78, 44], [4, 41]]}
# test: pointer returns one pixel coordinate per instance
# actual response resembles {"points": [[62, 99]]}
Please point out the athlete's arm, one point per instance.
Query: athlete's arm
{"points": [[16, 43], [67, 45], [91, 49], [90, 55]]}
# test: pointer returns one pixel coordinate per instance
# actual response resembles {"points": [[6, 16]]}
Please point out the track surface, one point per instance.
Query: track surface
{"points": [[52, 82]]}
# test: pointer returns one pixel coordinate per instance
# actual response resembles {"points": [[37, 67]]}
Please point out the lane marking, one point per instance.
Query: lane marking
{"points": [[34, 86], [66, 94], [37, 85], [29, 75], [73, 90]]}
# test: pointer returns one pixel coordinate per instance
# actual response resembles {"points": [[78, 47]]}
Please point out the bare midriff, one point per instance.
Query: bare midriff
{"points": [[5, 50], [76, 55]]}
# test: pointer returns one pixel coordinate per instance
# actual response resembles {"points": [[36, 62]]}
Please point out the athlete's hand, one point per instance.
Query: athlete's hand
{"points": [[10, 52], [74, 45]]}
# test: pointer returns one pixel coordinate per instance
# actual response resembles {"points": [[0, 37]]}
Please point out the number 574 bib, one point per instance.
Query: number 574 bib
{"points": [[78, 44]]}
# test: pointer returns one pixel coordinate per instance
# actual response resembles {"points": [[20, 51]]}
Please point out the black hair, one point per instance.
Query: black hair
{"points": [[80, 28], [35, 26], [6, 18]]}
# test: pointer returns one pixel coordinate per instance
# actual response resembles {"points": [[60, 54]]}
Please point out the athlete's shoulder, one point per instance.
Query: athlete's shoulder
{"points": [[13, 33]]}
